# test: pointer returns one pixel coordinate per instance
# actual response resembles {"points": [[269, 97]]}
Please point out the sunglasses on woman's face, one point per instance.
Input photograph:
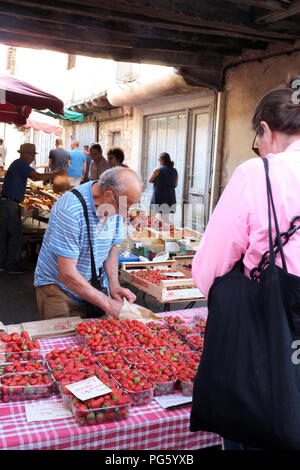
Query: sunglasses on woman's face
{"points": [[255, 146]]}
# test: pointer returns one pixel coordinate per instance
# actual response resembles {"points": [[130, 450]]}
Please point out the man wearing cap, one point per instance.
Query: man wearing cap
{"points": [[13, 192]]}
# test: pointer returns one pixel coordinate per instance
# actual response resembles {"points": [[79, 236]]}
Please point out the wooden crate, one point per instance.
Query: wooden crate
{"points": [[161, 293], [184, 261]]}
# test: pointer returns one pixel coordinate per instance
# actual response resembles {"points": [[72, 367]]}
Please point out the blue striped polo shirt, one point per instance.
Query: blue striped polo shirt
{"points": [[66, 235]]}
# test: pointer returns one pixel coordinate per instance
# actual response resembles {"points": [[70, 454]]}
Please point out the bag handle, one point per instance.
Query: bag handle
{"points": [[86, 216], [272, 206]]}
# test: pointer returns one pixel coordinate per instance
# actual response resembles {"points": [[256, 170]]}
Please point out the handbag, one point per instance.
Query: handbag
{"points": [[92, 311], [247, 386]]}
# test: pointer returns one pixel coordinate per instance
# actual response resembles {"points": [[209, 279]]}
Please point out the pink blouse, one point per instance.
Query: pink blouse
{"points": [[239, 222]]}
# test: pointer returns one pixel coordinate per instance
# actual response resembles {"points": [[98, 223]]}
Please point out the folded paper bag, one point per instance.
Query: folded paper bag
{"points": [[136, 312]]}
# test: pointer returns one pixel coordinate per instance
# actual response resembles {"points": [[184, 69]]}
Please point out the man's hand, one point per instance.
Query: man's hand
{"points": [[114, 308], [117, 292]]}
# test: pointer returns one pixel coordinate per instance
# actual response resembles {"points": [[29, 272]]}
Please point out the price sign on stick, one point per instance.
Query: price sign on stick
{"points": [[88, 388]]}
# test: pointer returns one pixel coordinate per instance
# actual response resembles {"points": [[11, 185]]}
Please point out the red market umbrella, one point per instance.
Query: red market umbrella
{"points": [[14, 114], [17, 99]]}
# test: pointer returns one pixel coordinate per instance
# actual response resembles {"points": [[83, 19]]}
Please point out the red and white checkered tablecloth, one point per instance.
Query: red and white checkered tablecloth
{"points": [[148, 427]]}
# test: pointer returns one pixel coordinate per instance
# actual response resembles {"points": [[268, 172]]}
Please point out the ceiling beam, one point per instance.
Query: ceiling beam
{"points": [[182, 23], [266, 4], [277, 15], [169, 58], [126, 31], [67, 33]]}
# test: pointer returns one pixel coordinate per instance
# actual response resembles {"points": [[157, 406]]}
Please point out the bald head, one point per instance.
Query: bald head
{"points": [[124, 181]]}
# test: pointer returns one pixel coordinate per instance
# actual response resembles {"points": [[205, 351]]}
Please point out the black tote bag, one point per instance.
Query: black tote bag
{"points": [[247, 387]]}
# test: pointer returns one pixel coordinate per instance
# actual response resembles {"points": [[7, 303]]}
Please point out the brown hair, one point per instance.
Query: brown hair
{"points": [[117, 152], [166, 159], [96, 147], [59, 141], [280, 110]]}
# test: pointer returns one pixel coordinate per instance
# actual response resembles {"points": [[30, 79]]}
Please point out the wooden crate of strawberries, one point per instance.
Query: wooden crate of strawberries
{"points": [[155, 279]]}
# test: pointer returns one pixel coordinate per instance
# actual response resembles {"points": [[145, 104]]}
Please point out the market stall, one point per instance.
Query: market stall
{"points": [[140, 421]]}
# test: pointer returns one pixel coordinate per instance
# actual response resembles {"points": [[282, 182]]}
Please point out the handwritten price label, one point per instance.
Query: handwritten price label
{"points": [[168, 401], [46, 411], [88, 388]]}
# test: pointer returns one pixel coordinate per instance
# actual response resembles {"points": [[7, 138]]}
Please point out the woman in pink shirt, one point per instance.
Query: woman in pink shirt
{"points": [[239, 224]]}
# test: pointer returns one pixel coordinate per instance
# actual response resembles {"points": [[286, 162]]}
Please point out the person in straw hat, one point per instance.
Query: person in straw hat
{"points": [[13, 192]]}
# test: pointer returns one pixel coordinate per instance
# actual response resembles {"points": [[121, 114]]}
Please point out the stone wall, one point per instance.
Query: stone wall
{"points": [[245, 85]]}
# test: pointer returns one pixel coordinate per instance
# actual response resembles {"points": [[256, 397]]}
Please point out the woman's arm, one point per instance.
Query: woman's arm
{"points": [[154, 175]]}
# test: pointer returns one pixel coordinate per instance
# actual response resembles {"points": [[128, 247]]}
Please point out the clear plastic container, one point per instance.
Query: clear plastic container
{"points": [[195, 341], [19, 367], [156, 325], [71, 364], [26, 392], [122, 340], [90, 417], [173, 320], [135, 355], [135, 327], [137, 398], [106, 358], [160, 387], [186, 387], [67, 396], [192, 358], [200, 323], [10, 357], [185, 330], [104, 345], [28, 349]]}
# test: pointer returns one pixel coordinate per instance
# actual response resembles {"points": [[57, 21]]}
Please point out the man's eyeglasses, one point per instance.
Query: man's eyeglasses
{"points": [[255, 146]]}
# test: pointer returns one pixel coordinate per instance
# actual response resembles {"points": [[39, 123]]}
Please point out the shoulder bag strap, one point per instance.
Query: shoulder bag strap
{"points": [[271, 205], [85, 210]]}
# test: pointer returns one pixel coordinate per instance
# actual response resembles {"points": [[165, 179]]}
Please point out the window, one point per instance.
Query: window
{"points": [[116, 139]]}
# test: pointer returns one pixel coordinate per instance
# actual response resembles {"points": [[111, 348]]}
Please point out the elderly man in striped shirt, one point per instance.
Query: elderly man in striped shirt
{"points": [[63, 268]]}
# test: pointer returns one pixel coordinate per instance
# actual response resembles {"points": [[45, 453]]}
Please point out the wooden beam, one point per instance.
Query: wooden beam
{"points": [[125, 31], [165, 20], [81, 35], [130, 30], [277, 15], [169, 58], [266, 4]]}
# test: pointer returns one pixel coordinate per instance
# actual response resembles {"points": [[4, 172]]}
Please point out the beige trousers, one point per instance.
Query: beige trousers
{"points": [[52, 302]]}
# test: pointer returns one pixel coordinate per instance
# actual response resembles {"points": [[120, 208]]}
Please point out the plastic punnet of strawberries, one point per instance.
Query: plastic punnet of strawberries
{"points": [[136, 355], [113, 406], [17, 346], [112, 361], [136, 385], [18, 387], [172, 321], [162, 376], [23, 367], [186, 376]]}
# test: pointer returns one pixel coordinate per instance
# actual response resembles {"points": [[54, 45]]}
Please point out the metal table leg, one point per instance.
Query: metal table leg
{"points": [[190, 305]]}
